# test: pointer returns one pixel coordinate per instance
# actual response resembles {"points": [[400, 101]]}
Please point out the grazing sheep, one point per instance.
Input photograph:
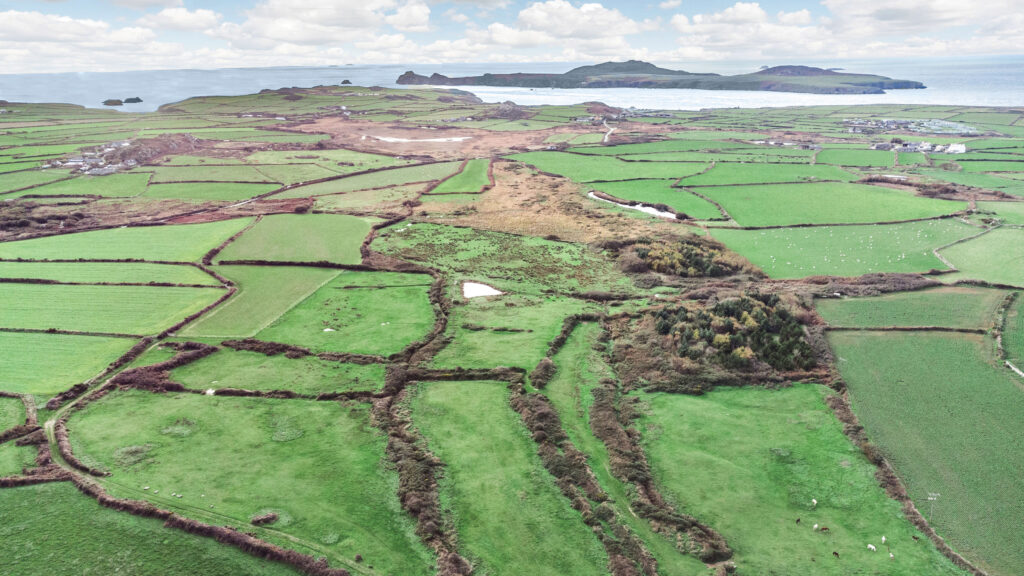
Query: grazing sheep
{"points": [[824, 528], [883, 539], [815, 527], [872, 548], [891, 557], [814, 502], [797, 520], [836, 554]]}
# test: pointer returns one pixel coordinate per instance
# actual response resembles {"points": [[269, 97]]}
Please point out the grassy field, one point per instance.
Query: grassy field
{"points": [[12, 412], [861, 158], [369, 199], [472, 178], [824, 203], [50, 363], [209, 191], [301, 238], [1013, 335], [111, 309], [661, 192], [376, 319], [114, 185], [846, 250], [496, 488], [598, 168], [254, 371], [1011, 212], [727, 173], [182, 243], [537, 321], [264, 294], [920, 397], [14, 459], [523, 264], [748, 461], [132, 272], [96, 541], [393, 177], [208, 174], [993, 257], [953, 307], [988, 181], [318, 465], [580, 368]]}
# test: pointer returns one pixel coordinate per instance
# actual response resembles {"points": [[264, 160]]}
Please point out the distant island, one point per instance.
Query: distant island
{"points": [[638, 74]]}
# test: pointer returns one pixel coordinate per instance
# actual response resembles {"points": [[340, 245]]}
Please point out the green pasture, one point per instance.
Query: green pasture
{"points": [[115, 185], [318, 465], [181, 243], [749, 461], [507, 330], [1011, 212], [93, 540], [1013, 332], [380, 178], [332, 238], [382, 199], [845, 250], [110, 272], [208, 174], [949, 307], [661, 192], [582, 168], [986, 181], [737, 173], [948, 418], [671, 145], [824, 203], [45, 364], [264, 294], [14, 459], [110, 309], [209, 191], [12, 412], [309, 375], [374, 318], [859, 158], [30, 179], [509, 515], [994, 257], [472, 178]]}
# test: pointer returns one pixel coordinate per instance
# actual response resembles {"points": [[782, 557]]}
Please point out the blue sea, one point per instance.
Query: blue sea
{"points": [[974, 81]]}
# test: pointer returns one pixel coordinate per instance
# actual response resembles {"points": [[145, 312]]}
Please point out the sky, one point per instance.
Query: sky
{"points": [[111, 35]]}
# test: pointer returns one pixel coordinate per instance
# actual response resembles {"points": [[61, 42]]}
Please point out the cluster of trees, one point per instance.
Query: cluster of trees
{"points": [[690, 258], [738, 331]]}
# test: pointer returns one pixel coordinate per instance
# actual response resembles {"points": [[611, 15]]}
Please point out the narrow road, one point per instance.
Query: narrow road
{"points": [[607, 134]]}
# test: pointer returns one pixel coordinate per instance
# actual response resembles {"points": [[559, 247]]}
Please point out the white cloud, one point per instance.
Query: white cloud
{"points": [[414, 16], [146, 3], [670, 4], [181, 19], [561, 19], [273, 22], [456, 16]]}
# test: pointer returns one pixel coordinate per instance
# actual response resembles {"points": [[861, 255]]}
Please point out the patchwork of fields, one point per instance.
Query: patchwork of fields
{"points": [[256, 346]]}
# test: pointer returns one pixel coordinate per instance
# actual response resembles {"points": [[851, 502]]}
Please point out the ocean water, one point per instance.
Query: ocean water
{"points": [[975, 81]]}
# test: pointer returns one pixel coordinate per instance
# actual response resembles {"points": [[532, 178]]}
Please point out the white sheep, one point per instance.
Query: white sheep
{"points": [[883, 539], [814, 502], [872, 548], [815, 527], [891, 557]]}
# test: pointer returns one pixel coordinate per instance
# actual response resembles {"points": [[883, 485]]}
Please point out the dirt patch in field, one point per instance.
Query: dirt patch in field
{"points": [[256, 207], [522, 202]]}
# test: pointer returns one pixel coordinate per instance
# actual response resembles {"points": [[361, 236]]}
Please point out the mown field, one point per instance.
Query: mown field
{"points": [[495, 487], [301, 238], [662, 192], [49, 363], [994, 257], [954, 307], [920, 397], [750, 461], [317, 465], [847, 250], [95, 540]]}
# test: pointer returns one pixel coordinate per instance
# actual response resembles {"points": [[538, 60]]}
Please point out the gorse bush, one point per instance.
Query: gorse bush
{"points": [[690, 258], [737, 331]]}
